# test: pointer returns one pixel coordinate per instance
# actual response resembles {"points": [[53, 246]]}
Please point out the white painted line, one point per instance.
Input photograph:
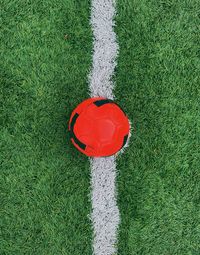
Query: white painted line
{"points": [[105, 213], [105, 48]]}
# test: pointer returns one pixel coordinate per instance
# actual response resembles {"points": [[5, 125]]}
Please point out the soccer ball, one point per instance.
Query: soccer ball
{"points": [[99, 127]]}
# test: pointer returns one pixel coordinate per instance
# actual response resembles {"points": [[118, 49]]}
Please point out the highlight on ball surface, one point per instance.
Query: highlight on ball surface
{"points": [[99, 127]]}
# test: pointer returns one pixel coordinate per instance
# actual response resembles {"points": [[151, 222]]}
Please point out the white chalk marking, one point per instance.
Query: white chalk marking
{"points": [[105, 213]]}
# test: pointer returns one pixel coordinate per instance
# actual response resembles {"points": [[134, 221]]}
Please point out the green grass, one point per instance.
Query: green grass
{"points": [[158, 85], [44, 181]]}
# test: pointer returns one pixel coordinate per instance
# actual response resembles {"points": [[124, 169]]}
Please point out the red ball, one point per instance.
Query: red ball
{"points": [[99, 127]]}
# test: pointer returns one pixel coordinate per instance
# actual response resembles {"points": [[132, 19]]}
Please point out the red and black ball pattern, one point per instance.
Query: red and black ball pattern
{"points": [[99, 127]]}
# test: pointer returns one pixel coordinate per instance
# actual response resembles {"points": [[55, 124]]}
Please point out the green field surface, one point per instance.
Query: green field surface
{"points": [[158, 84], [44, 182], [46, 53]]}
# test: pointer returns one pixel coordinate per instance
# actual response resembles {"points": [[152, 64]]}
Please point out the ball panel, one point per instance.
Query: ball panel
{"points": [[84, 126], [84, 130], [104, 130]]}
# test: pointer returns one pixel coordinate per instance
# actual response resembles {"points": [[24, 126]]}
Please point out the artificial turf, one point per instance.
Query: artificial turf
{"points": [[44, 182], [158, 85]]}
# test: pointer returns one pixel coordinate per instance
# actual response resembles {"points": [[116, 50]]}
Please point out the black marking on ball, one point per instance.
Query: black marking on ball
{"points": [[73, 136], [75, 117], [125, 140], [78, 142], [101, 102]]}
